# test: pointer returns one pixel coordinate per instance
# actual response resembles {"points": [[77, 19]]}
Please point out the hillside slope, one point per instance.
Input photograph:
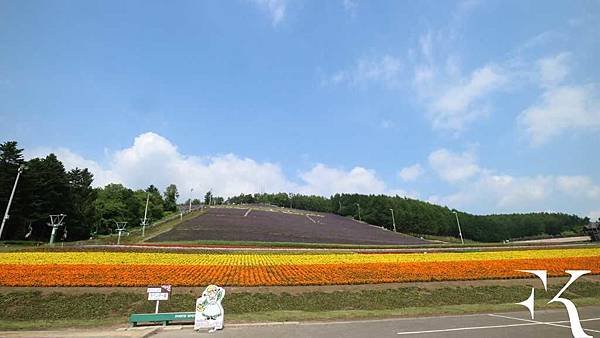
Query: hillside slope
{"points": [[281, 225]]}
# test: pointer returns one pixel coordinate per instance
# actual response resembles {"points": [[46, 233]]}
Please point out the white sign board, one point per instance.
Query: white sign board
{"points": [[158, 293], [158, 296], [209, 311]]}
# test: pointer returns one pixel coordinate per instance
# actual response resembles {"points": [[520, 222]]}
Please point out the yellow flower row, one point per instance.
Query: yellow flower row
{"points": [[274, 259]]}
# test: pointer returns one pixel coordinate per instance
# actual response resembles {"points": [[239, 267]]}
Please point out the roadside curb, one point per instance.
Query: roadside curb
{"points": [[189, 326], [123, 332], [150, 332]]}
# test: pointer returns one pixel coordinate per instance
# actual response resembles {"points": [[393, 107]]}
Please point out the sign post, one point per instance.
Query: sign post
{"points": [[158, 293]]}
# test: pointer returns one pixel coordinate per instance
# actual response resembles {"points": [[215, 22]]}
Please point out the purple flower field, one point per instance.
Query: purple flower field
{"points": [[282, 225]]}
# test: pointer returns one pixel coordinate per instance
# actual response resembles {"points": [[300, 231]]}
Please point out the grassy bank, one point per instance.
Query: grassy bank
{"points": [[32, 309]]}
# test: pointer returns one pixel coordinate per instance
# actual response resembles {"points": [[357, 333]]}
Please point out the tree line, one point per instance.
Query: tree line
{"points": [[46, 188], [423, 218]]}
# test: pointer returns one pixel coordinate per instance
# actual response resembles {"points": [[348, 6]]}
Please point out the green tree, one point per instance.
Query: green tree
{"points": [[156, 204], [48, 192], [116, 203], [82, 217], [11, 157], [171, 196], [208, 198], [418, 217]]}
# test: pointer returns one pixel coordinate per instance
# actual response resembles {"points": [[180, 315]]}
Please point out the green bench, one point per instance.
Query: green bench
{"points": [[164, 318]]}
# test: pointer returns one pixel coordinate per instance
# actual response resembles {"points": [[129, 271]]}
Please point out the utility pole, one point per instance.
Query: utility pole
{"points": [[459, 231], [191, 190], [55, 222], [358, 205], [393, 219], [12, 194], [145, 220], [340, 209]]}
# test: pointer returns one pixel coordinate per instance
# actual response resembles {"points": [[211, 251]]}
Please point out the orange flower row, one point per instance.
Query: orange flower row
{"points": [[313, 274]]}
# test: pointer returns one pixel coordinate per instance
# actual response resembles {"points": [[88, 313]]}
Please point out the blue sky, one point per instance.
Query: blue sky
{"points": [[486, 106]]}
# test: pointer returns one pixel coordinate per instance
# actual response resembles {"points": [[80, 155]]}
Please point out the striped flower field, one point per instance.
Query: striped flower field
{"points": [[258, 269]]}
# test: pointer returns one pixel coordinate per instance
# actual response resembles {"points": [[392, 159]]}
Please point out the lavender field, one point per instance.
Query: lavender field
{"points": [[282, 225]]}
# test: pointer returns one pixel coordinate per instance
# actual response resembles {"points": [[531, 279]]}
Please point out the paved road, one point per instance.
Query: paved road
{"points": [[547, 324]]}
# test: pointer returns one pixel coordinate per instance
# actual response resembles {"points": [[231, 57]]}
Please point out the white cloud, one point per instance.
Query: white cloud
{"points": [[72, 160], [426, 46], [561, 109], [453, 167], [459, 97], [466, 6], [511, 192], [275, 9], [553, 69], [594, 215], [411, 173], [323, 180], [453, 98], [350, 6], [424, 76], [385, 124], [506, 193], [385, 69], [577, 186], [455, 103], [486, 190], [152, 159]]}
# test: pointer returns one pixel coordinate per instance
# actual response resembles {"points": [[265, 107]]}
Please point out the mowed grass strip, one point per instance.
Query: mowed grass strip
{"points": [[316, 274], [36, 310], [271, 259]]}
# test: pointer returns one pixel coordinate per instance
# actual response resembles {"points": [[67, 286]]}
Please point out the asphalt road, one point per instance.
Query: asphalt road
{"points": [[547, 324]]}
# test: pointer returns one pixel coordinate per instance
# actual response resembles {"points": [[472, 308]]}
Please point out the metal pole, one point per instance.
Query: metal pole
{"points": [[12, 194], [156, 310], [459, 231], [120, 228], [145, 214], [54, 227], [191, 190], [393, 219], [55, 222]]}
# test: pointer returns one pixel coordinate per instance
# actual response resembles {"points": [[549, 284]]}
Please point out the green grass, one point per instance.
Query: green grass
{"points": [[27, 309], [472, 246], [451, 240], [135, 234], [278, 244]]}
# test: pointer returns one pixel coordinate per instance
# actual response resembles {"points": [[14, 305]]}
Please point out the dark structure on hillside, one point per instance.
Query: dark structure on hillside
{"points": [[593, 230]]}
